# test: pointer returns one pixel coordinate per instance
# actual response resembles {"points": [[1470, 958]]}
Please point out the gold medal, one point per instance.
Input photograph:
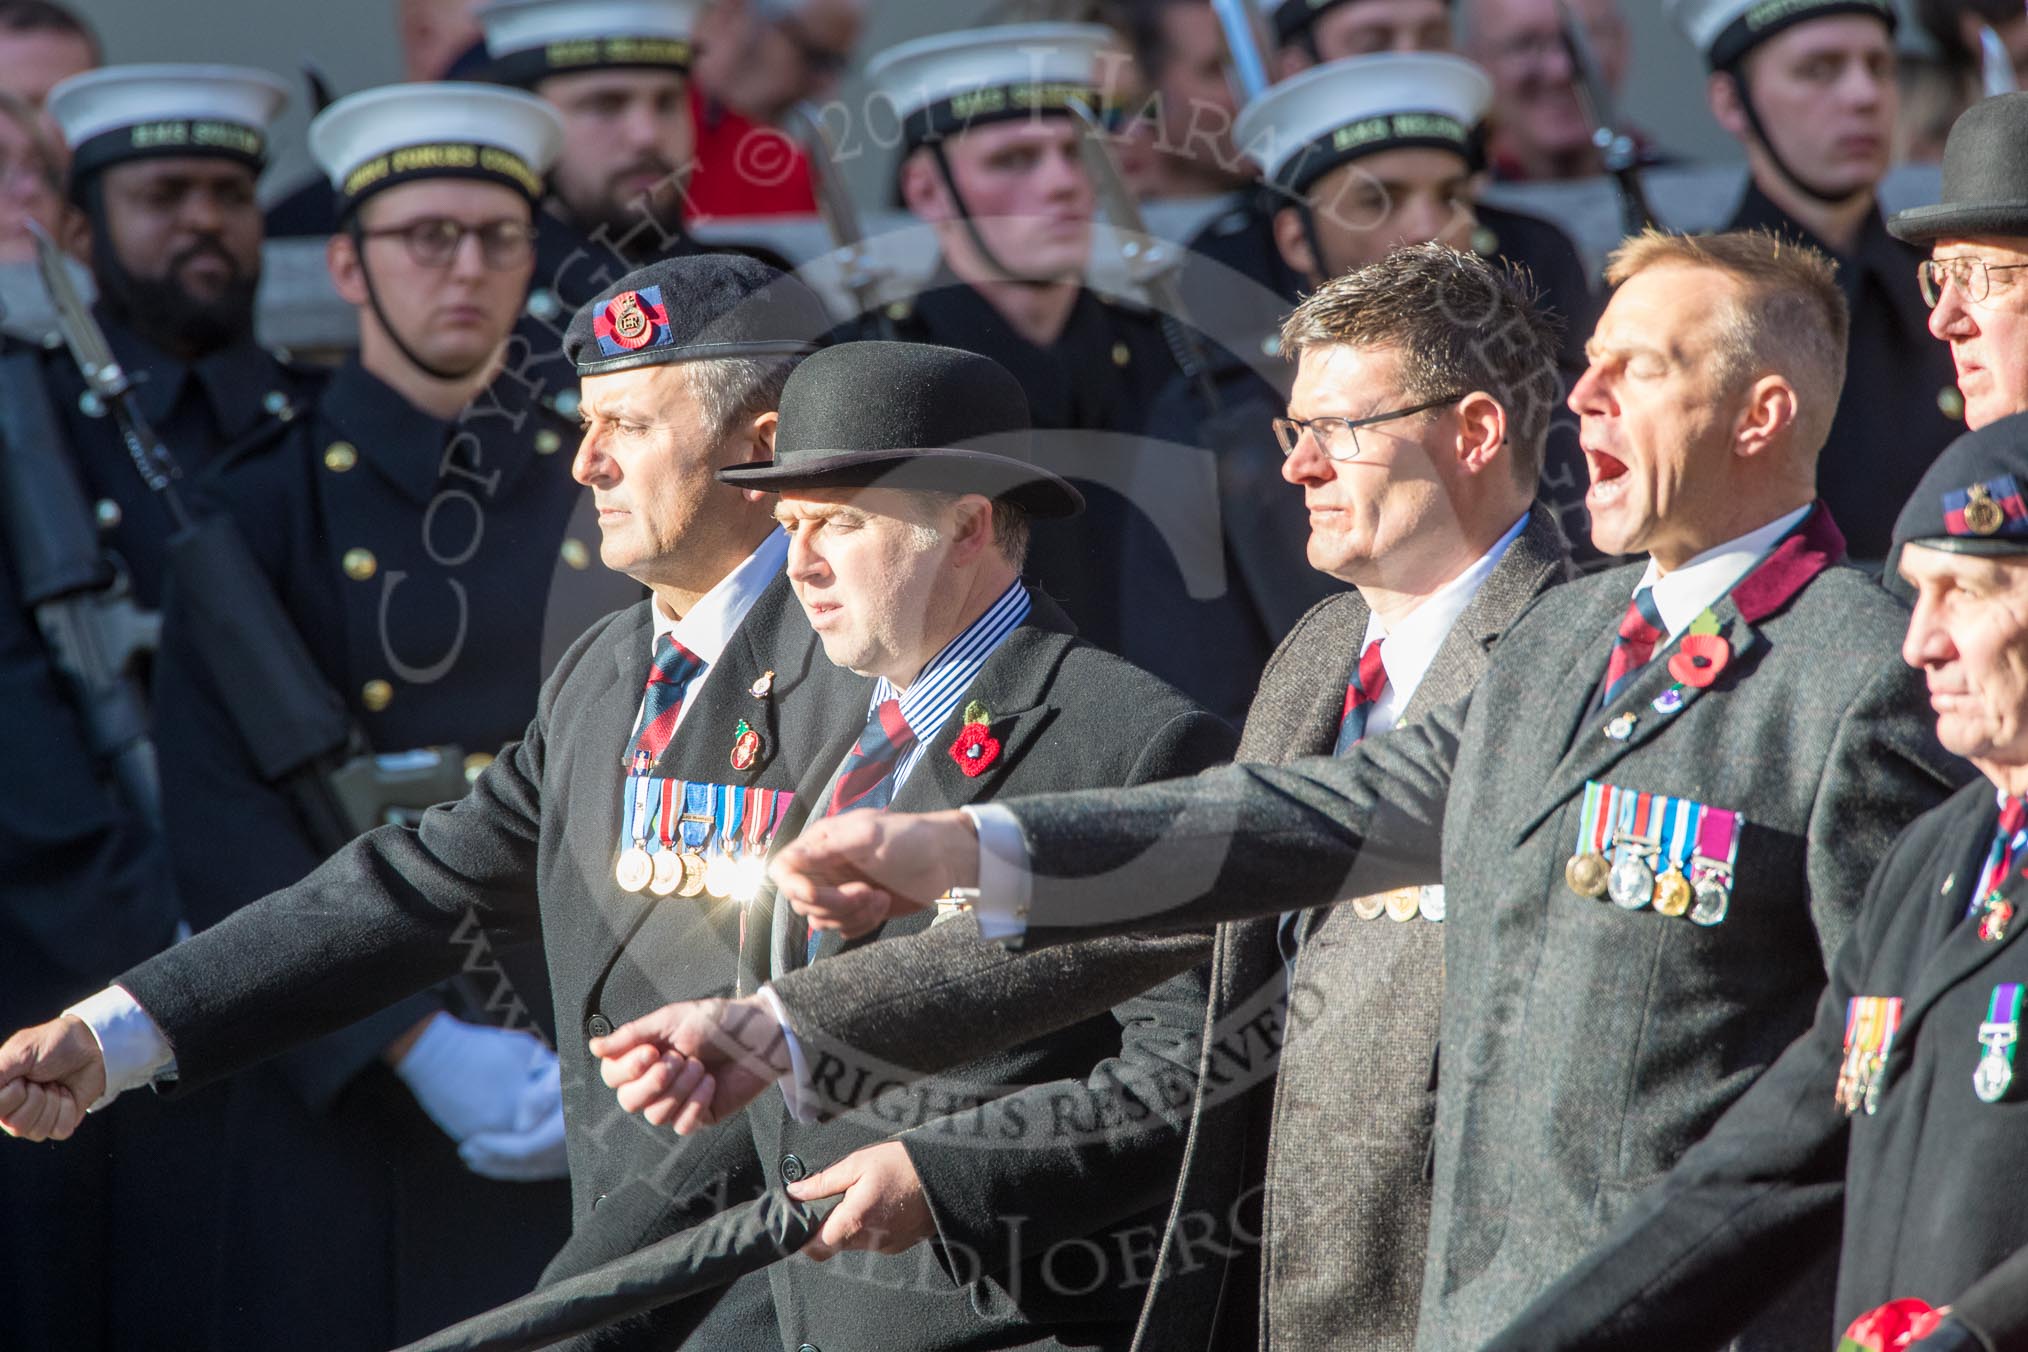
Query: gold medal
{"points": [[1586, 874], [1369, 908], [1404, 904], [668, 873], [635, 869], [693, 874], [1982, 515], [1672, 893]]}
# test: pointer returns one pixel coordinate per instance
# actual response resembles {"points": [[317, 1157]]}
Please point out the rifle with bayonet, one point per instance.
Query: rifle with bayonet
{"points": [[1619, 153], [857, 271], [1151, 262], [291, 722], [82, 603]]}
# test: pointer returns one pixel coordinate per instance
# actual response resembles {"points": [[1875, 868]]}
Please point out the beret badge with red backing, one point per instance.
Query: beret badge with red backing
{"points": [[632, 321], [1990, 508]]}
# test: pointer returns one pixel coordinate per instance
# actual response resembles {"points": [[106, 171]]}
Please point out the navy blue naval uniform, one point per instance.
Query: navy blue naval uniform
{"points": [[413, 556], [201, 410]]}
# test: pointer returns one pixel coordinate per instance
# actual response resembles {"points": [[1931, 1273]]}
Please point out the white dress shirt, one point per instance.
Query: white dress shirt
{"points": [[131, 1043], [1006, 884]]}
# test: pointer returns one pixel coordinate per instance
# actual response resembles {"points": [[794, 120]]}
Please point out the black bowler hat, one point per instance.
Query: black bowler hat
{"points": [[911, 416], [1985, 176], [1972, 500], [695, 308]]}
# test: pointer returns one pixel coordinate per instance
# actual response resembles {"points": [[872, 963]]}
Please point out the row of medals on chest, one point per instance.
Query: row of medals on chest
{"points": [[1630, 881], [723, 876]]}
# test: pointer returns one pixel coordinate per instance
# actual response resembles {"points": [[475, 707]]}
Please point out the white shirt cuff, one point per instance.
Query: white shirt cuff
{"points": [[131, 1044], [800, 1106], [1005, 884]]}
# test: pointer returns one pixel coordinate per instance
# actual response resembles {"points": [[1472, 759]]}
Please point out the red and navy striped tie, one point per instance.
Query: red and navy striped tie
{"points": [[675, 667], [867, 778], [1640, 631], [1369, 683]]}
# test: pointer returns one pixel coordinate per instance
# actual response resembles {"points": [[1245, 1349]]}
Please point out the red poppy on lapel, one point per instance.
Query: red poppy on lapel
{"points": [[1699, 659], [975, 749]]}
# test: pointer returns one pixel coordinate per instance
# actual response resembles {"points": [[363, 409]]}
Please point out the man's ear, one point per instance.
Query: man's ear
{"points": [[348, 278], [1721, 91], [760, 445], [1293, 243], [922, 188], [1482, 431], [1768, 418], [972, 530]]}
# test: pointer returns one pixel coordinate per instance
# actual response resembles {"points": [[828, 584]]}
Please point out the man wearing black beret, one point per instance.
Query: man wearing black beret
{"points": [[1892, 1119], [1028, 1177], [581, 833]]}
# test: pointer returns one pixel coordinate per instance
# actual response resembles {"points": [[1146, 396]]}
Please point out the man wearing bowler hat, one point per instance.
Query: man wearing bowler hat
{"points": [[999, 1200], [1978, 241], [1883, 1132]]}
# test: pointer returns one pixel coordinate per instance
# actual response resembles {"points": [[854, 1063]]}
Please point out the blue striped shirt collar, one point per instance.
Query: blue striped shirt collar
{"points": [[929, 700]]}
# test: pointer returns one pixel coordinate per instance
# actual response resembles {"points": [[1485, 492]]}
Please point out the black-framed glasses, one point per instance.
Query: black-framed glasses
{"points": [[433, 241], [1339, 437], [1972, 276]]}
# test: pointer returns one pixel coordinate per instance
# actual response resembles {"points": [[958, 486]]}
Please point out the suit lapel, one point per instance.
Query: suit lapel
{"points": [[1962, 952], [1316, 729]]}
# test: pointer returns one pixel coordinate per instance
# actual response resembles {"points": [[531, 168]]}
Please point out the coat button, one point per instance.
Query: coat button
{"points": [[1950, 403], [376, 695], [340, 456], [475, 765], [107, 513], [277, 404], [807, 1347], [793, 1170], [1122, 354], [598, 1025], [565, 403], [548, 442], [359, 564], [596, 1200], [543, 304], [576, 554]]}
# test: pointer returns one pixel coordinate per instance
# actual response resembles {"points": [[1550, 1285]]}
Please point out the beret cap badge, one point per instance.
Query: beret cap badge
{"points": [[632, 320], [1985, 509]]}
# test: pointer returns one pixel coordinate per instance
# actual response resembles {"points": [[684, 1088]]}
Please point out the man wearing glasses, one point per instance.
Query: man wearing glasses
{"points": [[410, 523], [1978, 239]]}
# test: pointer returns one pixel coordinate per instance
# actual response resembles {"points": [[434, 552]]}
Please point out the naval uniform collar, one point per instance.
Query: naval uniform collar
{"points": [[1874, 251], [402, 442], [234, 382]]}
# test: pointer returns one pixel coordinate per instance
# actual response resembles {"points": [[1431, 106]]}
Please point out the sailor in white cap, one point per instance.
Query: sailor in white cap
{"points": [[410, 522], [165, 159], [990, 159], [1243, 239], [1808, 88]]}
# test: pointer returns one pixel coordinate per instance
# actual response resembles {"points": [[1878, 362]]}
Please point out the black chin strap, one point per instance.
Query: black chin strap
{"points": [[1782, 167], [992, 260], [449, 377]]}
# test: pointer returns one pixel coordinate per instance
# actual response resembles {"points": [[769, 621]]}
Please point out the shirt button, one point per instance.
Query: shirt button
{"points": [[793, 1170], [376, 695], [598, 1025]]}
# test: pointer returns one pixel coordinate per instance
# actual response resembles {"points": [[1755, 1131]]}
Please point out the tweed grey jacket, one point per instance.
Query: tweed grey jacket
{"points": [[1586, 1046]]}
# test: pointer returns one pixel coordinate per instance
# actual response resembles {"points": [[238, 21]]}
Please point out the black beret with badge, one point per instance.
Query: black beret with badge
{"points": [[1971, 501], [908, 416], [695, 308]]}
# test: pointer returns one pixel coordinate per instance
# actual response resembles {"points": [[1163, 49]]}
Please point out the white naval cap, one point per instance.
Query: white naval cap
{"points": [[1726, 30], [120, 113], [377, 138], [1310, 123], [943, 84], [529, 40]]}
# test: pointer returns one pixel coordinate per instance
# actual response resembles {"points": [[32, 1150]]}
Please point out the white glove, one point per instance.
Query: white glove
{"points": [[496, 1092]]}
